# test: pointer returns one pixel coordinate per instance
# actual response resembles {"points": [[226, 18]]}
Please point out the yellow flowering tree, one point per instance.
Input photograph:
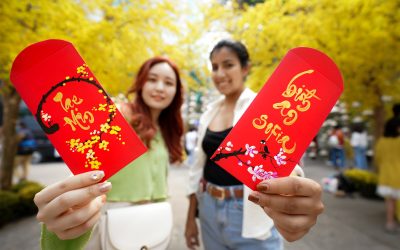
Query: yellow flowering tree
{"points": [[114, 39], [22, 23], [203, 23], [362, 37]]}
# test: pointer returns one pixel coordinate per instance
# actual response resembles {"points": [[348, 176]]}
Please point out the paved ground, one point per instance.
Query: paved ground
{"points": [[347, 223]]}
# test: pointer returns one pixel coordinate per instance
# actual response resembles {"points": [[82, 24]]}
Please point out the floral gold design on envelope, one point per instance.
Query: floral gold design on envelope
{"points": [[295, 93], [246, 155], [76, 118]]}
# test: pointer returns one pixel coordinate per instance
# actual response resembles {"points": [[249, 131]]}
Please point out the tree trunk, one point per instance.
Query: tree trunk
{"points": [[11, 101], [379, 120]]}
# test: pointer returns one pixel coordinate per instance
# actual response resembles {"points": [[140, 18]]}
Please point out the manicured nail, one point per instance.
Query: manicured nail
{"points": [[98, 175], [264, 186], [103, 198], [254, 197], [105, 186]]}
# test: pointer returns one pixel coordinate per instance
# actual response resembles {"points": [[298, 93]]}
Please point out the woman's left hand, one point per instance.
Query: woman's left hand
{"points": [[293, 203]]}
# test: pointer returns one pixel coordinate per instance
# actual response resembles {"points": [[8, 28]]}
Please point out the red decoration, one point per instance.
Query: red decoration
{"points": [[283, 118], [73, 109]]}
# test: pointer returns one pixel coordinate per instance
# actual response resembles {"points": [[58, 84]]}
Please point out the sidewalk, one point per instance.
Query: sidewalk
{"points": [[346, 224]]}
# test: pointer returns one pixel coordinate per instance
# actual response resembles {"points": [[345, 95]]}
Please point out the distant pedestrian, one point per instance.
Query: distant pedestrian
{"points": [[387, 157], [26, 146], [314, 148], [190, 143], [336, 142], [359, 142]]}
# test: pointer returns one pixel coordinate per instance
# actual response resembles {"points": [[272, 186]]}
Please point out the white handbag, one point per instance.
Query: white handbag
{"points": [[138, 227]]}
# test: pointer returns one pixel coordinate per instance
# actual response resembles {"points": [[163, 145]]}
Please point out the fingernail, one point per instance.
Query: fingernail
{"points": [[254, 197], [103, 198], [98, 175], [105, 186], [263, 187]]}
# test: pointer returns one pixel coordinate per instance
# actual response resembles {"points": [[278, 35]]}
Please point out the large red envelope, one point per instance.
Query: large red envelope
{"points": [[272, 135], [73, 109]]}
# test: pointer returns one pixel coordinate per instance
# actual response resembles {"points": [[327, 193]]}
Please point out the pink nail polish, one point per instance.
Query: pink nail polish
{"points": [[97, 175], [104, 187]]}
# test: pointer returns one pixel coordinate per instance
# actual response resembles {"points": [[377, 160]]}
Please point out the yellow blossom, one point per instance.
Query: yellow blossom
{"points": [[103, 145], [115, 130], [112, 108], [104, 127], [80, 70], [102, 107], [90, 154], [73, 143], [80, 148], [95, 164], [88, 144], [95, 138]]}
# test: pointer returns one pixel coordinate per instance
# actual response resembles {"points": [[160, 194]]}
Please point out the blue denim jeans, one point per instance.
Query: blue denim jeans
{"points": [[338, 158], [360, 157], [221, 226]]}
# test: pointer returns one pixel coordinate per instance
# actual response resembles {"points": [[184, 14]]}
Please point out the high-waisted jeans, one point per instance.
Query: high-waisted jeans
{"points": [[221, 226]]}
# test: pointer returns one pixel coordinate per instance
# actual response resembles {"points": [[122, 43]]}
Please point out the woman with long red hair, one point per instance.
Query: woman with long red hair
{"points": [[142, 111], [155, 114]]}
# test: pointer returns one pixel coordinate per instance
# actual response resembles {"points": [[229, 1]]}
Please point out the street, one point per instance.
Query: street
{"points": [[347, 223]]}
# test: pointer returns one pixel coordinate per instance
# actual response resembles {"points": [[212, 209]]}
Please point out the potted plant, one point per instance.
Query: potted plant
{"points": [[365, 182]]}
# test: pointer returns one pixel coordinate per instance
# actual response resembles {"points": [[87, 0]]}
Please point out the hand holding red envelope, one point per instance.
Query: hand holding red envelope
{"points": [[73, 109], [274, 132]]}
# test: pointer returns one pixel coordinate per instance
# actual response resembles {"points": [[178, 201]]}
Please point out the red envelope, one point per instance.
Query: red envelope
{"points": [[283, 119], [73, 109]]}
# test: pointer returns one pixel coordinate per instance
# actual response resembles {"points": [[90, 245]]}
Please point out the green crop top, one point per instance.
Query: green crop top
{"points": [[144, 179]]}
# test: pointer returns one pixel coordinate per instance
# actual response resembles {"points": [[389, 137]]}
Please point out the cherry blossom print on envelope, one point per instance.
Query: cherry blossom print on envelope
{"points": [[283, 118], [73, 109]]}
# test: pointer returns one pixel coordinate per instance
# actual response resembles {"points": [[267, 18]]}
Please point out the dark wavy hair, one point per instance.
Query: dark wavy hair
{"points": [[170, 119], [236, 47]]}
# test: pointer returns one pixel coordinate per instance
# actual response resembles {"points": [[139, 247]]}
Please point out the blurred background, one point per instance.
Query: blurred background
{"points": [[115, 36]]}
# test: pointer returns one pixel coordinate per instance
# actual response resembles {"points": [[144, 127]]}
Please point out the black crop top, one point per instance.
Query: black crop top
{"points": [[212, 172]]}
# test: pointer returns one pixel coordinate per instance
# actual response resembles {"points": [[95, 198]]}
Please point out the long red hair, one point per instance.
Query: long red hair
{"points": [[170, 119]]}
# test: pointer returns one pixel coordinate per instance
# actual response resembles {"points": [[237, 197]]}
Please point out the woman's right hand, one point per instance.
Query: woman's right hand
{"points": [[191, 230], [71, 207], [192, 234]]}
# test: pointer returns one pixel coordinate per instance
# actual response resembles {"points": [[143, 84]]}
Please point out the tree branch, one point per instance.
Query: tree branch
{"points": [[221, 155]]}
